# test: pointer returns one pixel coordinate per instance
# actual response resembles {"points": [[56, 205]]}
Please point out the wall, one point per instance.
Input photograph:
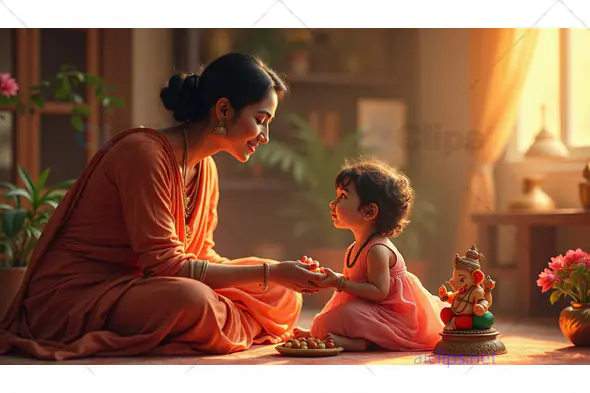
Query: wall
{"points": [[152, 66], [443, 116]]}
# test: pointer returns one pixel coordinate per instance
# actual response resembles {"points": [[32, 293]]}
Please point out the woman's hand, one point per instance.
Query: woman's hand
{"points": [[332, 279], [297, 276]]}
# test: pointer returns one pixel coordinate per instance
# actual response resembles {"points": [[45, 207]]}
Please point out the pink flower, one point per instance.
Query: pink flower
{"points": [[8, 85], [557, 264], [573, 257], [546, 280]]}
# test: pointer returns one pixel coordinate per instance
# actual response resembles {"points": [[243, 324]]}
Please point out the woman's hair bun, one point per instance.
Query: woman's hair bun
{"points": [[180, 96]]}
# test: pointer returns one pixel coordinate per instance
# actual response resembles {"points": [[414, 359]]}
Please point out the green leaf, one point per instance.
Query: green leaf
{"points": [[34, 232], [84, 111], [26, 180], [51, 203], [77, 122], [10, 186], [78, 76], [6, 247], [92, 80], [42, 179], [13, 221], [19, 192], [6, 185], [41, 219], [4, 206], [52, 192], [38, 100], [62, 88], [117, 102], [555, 295]]}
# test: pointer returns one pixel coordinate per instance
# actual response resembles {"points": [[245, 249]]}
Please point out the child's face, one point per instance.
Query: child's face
{"points": [[345, 208]]}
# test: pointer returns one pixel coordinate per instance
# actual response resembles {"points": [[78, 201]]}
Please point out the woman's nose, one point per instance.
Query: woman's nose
{"points": [[263, 138], [332, 204]]}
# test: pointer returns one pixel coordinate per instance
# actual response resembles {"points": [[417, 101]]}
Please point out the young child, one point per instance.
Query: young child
{"points": [[378, 303]]}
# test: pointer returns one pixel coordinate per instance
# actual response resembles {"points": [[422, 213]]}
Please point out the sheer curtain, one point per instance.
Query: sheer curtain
{"points": [[499, 62]]}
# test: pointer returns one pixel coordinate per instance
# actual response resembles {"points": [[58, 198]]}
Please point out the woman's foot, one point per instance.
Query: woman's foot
{"points": [[300, 332], [349, 344]]}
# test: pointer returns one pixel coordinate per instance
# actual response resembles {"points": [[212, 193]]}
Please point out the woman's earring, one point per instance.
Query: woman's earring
{"points": [[220, 129]]}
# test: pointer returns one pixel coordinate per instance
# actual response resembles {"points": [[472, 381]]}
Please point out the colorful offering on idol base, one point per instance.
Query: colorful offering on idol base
{"points": [[468, 321]]}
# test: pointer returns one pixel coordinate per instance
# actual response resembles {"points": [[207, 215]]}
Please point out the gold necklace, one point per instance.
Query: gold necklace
{"points": [[188, 207]]}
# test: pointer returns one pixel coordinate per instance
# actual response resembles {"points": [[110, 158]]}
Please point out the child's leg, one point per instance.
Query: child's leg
{"points": [[349, 344]]}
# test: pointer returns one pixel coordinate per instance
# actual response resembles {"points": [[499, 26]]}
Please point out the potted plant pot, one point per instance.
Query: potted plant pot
{"points": [[10, 282], [574, 322], [569, 276]]}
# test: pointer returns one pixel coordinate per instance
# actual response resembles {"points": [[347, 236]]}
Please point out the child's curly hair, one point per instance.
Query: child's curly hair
{"points": [[390, 189]]}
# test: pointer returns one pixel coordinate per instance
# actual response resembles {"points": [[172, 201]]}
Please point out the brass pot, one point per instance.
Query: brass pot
{"points": [[574, 322]]}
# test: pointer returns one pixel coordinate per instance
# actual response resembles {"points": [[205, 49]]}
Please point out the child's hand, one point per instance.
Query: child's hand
{"points": [[315, 265], [442, 291], [332, 279]]}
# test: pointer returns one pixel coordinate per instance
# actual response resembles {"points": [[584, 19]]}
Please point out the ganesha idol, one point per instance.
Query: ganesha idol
{"points": [[471, 297]]}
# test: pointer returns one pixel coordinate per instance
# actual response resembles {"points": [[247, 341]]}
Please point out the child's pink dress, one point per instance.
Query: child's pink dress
{"points": [[408, 319]]}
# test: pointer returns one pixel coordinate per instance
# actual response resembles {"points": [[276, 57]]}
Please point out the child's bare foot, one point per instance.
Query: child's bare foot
{"points": [[300, 332], [349, 344]]}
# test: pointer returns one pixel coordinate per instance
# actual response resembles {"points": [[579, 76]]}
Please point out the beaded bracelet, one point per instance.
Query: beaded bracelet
{"points": [[342, 283]]}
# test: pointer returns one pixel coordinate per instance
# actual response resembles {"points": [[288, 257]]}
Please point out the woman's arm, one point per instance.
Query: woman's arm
{"points": [[293, 275], [225, 276], [208, 251], [144, 176]]}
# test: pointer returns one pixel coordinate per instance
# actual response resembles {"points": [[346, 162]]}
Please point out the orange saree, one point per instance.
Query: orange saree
{"points": [[101, 279]]}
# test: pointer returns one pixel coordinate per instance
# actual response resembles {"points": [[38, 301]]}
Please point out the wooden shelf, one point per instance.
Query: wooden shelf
{"points": [[340, 80], [554, 217]]}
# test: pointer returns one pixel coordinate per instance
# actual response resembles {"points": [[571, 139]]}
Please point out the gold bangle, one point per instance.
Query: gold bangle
{"points": [[191, 268], [342, 283], [204, 271], [264, 286]]}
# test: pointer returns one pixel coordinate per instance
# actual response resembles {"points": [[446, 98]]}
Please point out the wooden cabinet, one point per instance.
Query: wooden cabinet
{"points": [[535, 234]]}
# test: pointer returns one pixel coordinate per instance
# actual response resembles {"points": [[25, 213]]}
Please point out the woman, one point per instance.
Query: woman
{"points": [[126, 265]]}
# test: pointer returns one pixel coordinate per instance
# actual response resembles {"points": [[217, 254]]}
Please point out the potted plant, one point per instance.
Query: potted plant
{"points": [[63, 86], [21, 221], [25, 209], [569, 276]]}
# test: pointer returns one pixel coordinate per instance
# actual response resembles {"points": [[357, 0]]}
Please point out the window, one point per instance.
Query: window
{"points": [[556, 92], [6, 116]]}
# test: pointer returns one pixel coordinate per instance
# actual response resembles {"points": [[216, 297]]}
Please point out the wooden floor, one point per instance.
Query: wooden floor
{"points": [[533, 341]]}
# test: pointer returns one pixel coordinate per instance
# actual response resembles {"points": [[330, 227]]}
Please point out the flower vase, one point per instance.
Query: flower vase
{"points": [[533, 198], [574, 322]]}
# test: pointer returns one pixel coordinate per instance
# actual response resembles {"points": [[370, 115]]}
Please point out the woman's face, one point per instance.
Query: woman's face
{"points": [[250, 128]]}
